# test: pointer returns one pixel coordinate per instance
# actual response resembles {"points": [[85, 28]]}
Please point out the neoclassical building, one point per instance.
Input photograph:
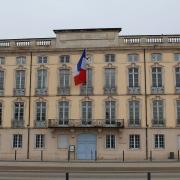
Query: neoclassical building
{"points": [[129, 109]]}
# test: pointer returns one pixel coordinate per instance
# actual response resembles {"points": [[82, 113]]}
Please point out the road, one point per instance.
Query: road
{"points": [[35, 175]]}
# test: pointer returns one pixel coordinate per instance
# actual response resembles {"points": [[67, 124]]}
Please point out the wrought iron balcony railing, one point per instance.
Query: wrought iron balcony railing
{"points": [[41, 92], [110, 90], [86, 90], [40, 124], [78, 123], [19, 92], [134, 90], [17, 123], [157, 90], [63, 91]]}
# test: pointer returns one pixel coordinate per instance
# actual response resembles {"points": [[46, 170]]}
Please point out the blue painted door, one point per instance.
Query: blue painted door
{"points": [[86, 147]]}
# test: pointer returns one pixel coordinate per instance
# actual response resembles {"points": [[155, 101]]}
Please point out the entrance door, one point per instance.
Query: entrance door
{"points": [[86, 147]]}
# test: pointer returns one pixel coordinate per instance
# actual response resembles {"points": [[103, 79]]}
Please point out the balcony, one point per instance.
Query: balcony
{"points": [[134, 90], [19, 92], [63, 91], [1, 92], [110, 90], [86, 90], [157, 90], [17, 123], [94, 123], [41, 92], [158, 122], [134, 123], [178, 90], [40, 124]]}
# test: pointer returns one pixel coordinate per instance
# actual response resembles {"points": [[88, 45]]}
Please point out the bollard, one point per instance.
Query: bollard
{"points": [[67, 176], [41, 155], [148, 176], [15, 155], [123, 155]]}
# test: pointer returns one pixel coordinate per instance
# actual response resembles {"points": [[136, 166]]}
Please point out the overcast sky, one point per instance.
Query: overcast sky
{"points": [[38, 18]]}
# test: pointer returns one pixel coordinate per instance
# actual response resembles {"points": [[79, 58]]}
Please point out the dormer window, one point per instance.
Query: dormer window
{"points": [[64, 59], [42, 60], [110, 58], [155, 57]]}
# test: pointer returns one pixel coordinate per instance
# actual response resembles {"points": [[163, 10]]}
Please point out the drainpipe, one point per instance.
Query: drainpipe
{"points": [[145, 94], [29, 114]]}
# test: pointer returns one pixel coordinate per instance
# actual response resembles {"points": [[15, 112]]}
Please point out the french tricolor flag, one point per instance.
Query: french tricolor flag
{"points": [[80, 70]]}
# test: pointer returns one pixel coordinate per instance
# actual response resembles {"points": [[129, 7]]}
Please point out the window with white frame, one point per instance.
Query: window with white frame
{"points": [[40, 111], [177, 71], [156, 76], [110, 58], [42, 78], [134, 141], [20, 79], [177, 56], [63, 141], [110, 141], [21, 60], [17, 141], [156, 57], [63, 112], [134, 119], [64, 76], [178, 111], [18, 111], [133, 74], [110, 112], [40, 141], [1, 80], [133, 57], [64, 59], [158, 112], [86, 112], [42, 60], [1, 111], [109, 77], [159, 141], [2, 60]]}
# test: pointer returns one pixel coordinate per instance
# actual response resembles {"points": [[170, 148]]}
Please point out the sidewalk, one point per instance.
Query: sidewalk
{"points": [[85, 166]]}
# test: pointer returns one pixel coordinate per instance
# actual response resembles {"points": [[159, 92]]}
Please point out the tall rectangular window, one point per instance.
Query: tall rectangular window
{"points": [[134, 119], [64, 75], [86, 112], [40, 111], [177, 76], [133, 77], [40, 141], [109, 78], [156, 77], [1, 109], [42, 79], [19, 111], [110, 112], [1, 80], [110, 141], [158, 112], [17, 141], [63, 112], [134, 141], [178, 111], [20, 79], [159, 141]]}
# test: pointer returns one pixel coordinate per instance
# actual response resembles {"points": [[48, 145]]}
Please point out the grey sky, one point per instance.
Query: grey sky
{"points": [[37, 18]]}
